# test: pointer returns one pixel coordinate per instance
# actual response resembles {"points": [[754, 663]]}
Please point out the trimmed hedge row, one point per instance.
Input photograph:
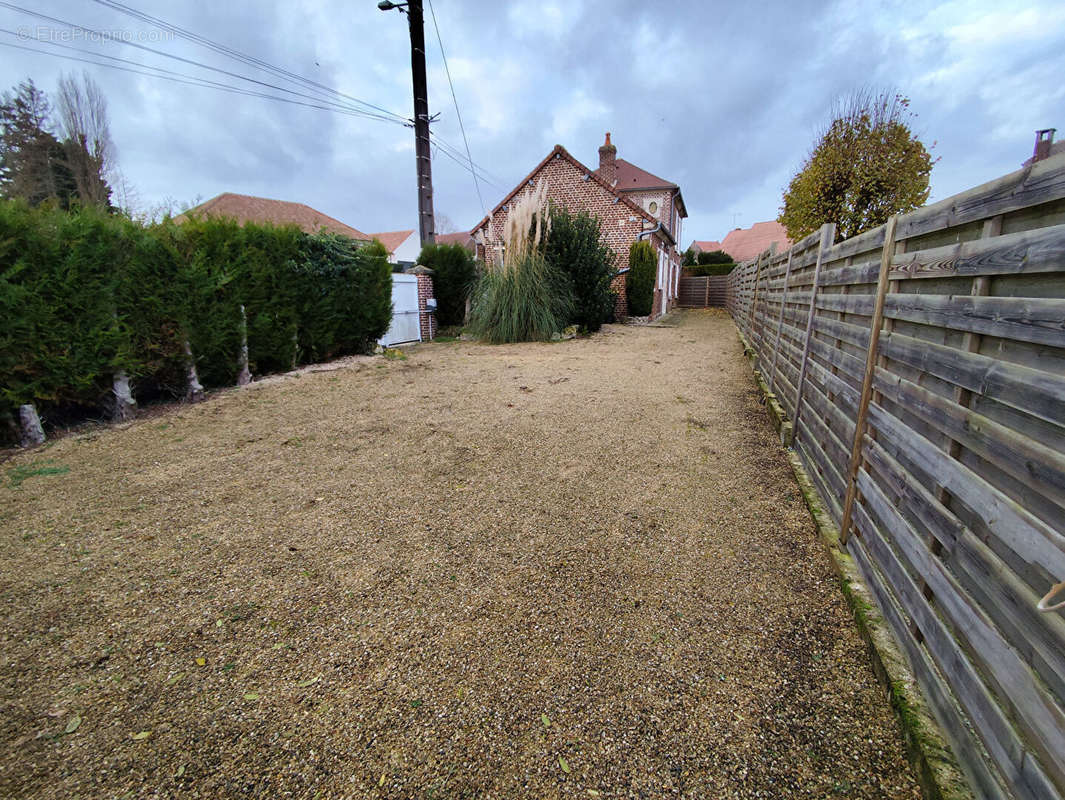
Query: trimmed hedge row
{"points": [[709, 269], [84, 295]]}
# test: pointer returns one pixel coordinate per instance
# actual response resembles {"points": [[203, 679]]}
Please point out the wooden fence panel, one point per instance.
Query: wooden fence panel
{"points": [[957, 477]]}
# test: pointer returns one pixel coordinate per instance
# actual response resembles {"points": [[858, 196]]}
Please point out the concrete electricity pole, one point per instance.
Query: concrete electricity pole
{"points": [[426, 223]]}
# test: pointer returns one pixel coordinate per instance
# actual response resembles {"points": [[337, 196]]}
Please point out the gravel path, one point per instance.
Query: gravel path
{"points": [[579, 569]]}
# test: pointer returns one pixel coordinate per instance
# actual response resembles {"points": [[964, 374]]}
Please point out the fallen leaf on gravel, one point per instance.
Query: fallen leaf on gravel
{"points": [[72, 726], [382, 781], [305, 684], [545, 720], [180, 771], [251, 696], [564, 764], [141, 736], [174, 678], [218, 623], [201, 661]]}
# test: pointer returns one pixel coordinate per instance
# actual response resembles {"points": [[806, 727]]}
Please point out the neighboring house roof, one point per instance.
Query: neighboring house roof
{"points": [[593, 175], [392, 240], [246, 208], [743, 244], [465, 238]]}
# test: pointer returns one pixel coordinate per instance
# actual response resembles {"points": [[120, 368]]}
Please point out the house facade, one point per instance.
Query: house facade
{"points": [[631, 205]]}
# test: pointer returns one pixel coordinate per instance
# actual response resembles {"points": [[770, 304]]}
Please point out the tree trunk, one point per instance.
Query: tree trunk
{"points": [[244, 376], [31, 432], [193, 389], [124, 407]]}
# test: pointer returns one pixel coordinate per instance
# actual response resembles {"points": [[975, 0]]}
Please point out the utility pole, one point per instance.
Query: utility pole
{"points": [[423, 158]]}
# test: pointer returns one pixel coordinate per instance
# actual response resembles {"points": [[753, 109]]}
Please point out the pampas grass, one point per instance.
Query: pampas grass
{"points": [[525, 299], [528, 301]]}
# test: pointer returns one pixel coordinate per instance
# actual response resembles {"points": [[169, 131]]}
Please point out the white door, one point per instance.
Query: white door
{"points": [[405, 325]]}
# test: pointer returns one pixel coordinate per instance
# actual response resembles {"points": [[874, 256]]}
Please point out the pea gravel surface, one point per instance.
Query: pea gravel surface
{"points": [[580, 569]]}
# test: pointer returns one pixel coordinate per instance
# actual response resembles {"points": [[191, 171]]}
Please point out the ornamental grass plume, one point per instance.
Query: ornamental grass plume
{"points": [[524, 299]]}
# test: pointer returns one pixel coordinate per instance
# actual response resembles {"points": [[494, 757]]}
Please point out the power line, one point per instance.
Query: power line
{"points": [[455, 100], [188, 80], [459, 158], [392, 118], [238, 55]]}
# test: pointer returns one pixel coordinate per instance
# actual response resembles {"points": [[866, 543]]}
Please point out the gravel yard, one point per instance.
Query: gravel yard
{"points": [[579, 569]]}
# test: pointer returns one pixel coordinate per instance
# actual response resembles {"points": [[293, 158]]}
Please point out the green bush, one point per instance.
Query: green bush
{"points": [[454, 274], [709, 269], [689, 258], [84, 294], [715, 257], [525, 301], [574, 248], [640, 279]]}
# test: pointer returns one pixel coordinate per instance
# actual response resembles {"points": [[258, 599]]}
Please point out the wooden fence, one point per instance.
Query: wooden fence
{"points": [[702, 292], [922, 366]]}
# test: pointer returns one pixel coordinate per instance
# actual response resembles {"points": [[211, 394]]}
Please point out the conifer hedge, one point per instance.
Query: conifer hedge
{"points": [[85, 294]]}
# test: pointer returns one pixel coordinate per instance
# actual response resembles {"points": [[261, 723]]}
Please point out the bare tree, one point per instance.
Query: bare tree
{"points": [[83, 124]]}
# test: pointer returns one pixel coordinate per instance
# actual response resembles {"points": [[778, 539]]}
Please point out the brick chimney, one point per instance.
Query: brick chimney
{"points": [[1043, 140], [607, 154]]}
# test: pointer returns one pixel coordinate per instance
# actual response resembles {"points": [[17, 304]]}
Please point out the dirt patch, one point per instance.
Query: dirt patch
{"points": [[553, 570]]}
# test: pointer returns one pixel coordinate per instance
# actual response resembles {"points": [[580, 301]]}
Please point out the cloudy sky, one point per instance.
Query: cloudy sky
{"points": [[723, 98]]}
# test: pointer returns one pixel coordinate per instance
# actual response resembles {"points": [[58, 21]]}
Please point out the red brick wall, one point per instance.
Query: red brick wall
{"points": [[620, 224], [426, 320]]}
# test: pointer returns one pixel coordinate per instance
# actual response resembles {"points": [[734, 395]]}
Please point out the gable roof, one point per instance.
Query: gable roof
{"points": [[465, 238], [593, 175], [704, 247], [743, 244], [391, 239], [247, 208], [631, 178]]}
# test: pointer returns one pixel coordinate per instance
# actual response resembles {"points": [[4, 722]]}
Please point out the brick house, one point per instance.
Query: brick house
{"points": [[630, 203]]}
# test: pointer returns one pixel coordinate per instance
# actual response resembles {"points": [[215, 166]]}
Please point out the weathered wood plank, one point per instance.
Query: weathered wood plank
{"points": [[1030, 538], [1026, 252], [955, 725], [1043, 720], [1005, 747], [1033, 391]]}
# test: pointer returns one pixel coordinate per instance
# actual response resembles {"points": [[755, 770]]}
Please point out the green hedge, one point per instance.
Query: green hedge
{"points": [[640, 279], [709, 269], [454, 276], [84, 294]]}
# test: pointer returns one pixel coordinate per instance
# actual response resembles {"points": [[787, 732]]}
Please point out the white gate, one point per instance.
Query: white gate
{"points": [[406, 324]]}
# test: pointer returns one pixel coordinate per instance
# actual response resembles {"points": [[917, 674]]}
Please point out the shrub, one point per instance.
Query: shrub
{"points": [[640, 279], [85, 294], [709, 269], [689, 258], [715, 257], [454, 274], [575, 249]]}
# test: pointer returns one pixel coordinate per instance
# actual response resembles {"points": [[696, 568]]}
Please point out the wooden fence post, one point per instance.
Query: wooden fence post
{"points": [[754, 304], [867, 381], [828, 235], [780, 323]]}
